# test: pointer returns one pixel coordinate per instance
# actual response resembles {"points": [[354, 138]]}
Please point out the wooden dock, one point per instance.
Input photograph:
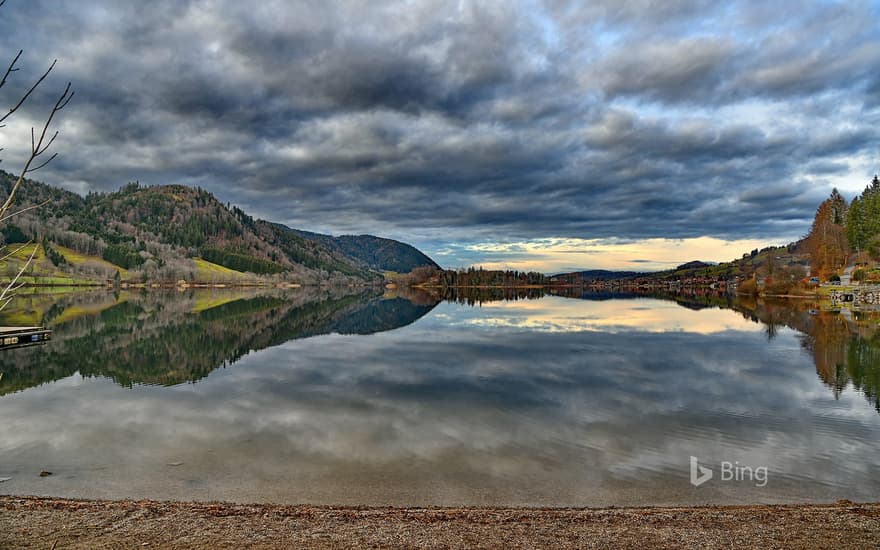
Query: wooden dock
{"points": [[18, 337]]}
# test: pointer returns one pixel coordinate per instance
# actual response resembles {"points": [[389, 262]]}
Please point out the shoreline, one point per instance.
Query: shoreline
{"points": [[74, 523], [816, 294], [195, 285]]}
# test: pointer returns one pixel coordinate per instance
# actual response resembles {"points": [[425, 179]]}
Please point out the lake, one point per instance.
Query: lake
{"points": [[341, 397]]}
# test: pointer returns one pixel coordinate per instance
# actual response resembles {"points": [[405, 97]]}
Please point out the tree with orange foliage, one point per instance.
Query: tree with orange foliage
{"points": [[826, 243]]}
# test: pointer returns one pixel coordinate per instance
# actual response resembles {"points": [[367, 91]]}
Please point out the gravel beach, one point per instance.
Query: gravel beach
{"points": [[34, 522]]}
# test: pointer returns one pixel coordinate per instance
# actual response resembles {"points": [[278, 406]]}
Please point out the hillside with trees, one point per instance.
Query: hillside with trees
{"points": [[781, 266], [593, 275], [171, 233], [846, 234], [373, 252], [863, 221], [472, 277]]}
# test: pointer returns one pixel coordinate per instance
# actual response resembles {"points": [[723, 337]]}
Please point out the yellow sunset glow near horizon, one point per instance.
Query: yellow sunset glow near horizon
{"points": [[560, 255]]}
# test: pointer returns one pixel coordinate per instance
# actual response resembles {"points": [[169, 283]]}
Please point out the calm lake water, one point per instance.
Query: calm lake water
{"points": [[323, 397]]}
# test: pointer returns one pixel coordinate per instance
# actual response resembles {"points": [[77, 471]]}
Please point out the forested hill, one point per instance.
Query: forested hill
{"points": [[173, 232], [374, 252], [594, 275]]}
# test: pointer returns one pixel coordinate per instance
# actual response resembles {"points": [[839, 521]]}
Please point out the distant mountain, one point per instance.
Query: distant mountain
{"points": [[688, 269], [174, 232], [373, 252], [696, 264], [608, 275], [596, 275], [705, 272]]}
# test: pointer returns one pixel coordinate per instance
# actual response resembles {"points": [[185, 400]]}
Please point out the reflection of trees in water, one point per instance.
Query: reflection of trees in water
{"points": [[827, 337], [476, 296], [863, 363], [162, 338], [167, 339], [845, 351], [844, 356]]}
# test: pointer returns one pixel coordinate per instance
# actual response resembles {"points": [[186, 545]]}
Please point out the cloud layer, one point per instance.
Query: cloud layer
{"points": [[467, 122]]}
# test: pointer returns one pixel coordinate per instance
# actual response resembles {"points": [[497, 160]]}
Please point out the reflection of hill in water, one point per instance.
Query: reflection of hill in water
{"points": [[379, 315], [167, 339], [170, 338]]}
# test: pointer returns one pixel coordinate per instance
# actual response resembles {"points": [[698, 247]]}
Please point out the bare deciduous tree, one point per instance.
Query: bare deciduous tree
{"points": [[40, 143]]}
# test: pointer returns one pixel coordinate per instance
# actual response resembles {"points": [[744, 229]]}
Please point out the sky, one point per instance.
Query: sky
{"points": [[556, 135]]}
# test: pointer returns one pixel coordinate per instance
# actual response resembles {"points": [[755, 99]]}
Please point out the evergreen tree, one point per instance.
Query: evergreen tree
{"points": [[838, 207], [863, 219], [855, 225]]}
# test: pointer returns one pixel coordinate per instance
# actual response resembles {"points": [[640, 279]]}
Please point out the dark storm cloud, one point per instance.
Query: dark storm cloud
{"points": [[437, 121]]}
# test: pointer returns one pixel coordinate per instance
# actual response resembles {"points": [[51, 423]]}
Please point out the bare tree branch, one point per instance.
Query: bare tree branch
{"points": [[37, 167], [37, 149], [28, 93], [23, 210], [11, 68], [6, 295], [43, 150]]}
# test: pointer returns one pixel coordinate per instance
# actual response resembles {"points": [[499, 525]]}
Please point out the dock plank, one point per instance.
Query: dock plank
{"points": [[17, 337]]}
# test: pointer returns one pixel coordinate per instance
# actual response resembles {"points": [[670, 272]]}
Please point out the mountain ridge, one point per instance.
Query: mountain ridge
{"points": [[706, 272], [174, 232], [375, 252], [598, 274]]}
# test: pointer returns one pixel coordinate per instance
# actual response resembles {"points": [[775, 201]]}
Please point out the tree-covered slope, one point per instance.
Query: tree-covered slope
{"points": [[373, 252], [156, 233], [384, 254]]}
